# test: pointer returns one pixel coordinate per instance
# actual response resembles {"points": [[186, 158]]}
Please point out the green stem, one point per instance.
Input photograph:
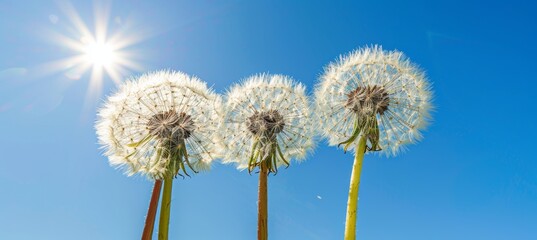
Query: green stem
{"points": [[262, 208], [152, 211], [165, 208], [352, 203]]}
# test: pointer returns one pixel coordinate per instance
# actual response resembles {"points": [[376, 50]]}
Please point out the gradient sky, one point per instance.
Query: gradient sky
{"points": [[472, 177]]}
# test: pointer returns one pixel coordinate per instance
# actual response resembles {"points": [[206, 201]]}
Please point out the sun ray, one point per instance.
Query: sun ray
{"points": [[101, 53]]}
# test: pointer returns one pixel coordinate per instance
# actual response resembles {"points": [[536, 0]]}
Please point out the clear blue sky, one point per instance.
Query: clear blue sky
{"points": [[474, 176]]}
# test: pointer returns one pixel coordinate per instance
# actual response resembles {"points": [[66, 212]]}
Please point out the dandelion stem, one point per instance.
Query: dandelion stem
{"points": [[152, 211], [262, 212], [352, 203], [165, 208]]}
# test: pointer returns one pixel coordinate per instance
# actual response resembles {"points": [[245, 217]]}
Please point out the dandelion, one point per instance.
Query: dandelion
{"points": [[266, 125], [160, 125], [371, 100]]}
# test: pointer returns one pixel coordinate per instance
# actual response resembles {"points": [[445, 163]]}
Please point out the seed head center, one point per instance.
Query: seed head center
{"points": [[267, 124], [368, 100], [171, 125]]}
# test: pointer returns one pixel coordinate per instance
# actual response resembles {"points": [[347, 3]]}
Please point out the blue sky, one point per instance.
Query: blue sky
{"points": [[472, 177]]}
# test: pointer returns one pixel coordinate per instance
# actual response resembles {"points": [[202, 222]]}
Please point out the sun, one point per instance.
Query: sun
{"points": [[100, 54]]}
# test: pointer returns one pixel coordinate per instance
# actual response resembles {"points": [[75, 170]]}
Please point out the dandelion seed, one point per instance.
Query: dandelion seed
{"points": [[375, 93], [160, 125], [267, 119], [152, 120], [266, 124], [371, 100]]}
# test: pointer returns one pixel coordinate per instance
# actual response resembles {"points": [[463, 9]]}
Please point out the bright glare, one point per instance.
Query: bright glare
{"points": [[100, 54]]}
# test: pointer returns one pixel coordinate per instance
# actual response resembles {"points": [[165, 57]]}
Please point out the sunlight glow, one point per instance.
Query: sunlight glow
{"points": [[102, 52]]}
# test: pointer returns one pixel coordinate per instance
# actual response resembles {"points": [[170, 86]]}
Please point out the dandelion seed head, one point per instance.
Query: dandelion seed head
{"points": [[267, 124], [379, 93], [150, 120], [368, 100], [263, 114], [170, 124]]}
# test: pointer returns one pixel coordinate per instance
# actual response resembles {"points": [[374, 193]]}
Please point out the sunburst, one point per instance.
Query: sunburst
{"points": [[101, 53]]}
